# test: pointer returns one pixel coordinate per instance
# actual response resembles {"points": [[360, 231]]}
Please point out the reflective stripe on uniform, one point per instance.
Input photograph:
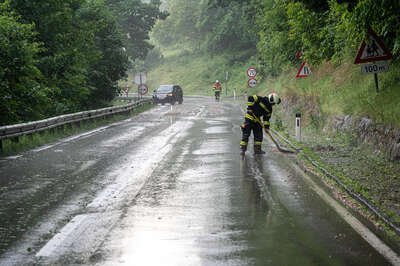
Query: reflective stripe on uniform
{"points": [[250, 103], [243, 143], [257, 143], [267, 123], [264, 107], [254, 119], [258, 120], [255, 97], [249, 116]]}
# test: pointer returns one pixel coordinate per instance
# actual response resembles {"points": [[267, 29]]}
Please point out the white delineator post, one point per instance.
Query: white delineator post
{"points": [[298, 127]]}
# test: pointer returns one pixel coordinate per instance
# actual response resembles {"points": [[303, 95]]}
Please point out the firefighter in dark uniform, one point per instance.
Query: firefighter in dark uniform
{"points": [[257, 107]]}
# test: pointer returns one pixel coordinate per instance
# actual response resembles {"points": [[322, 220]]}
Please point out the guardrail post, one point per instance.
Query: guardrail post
{"points": [[298, 127], [1, 145]]}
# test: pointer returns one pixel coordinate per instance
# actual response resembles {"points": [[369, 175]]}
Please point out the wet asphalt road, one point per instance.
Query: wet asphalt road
{"points": [[168, 187]]}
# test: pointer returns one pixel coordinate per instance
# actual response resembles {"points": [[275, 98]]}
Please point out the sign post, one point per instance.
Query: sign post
{"points": [[371, 50], [226, 82], [376, 82]]}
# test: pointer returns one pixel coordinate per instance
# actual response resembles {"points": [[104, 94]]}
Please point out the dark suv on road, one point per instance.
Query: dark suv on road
{"points": [[168, 94]]}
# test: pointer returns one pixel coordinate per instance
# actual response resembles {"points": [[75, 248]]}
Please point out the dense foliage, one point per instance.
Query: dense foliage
{"points": [[209, 25], [65, 56], [22, 91], [322, 30]]}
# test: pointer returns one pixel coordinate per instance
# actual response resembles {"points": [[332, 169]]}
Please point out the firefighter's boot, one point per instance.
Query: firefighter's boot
{"points": [[243, 149], [257, 149]]}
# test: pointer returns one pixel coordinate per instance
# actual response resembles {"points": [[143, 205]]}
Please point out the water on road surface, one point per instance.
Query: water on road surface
{"points": [[168, 187]]}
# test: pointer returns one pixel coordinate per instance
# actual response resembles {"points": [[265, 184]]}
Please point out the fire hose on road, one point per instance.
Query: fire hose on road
{"points": [[278, 146]]}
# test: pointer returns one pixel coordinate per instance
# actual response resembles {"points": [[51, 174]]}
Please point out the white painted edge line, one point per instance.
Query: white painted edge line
{"points": [[68, 139]]}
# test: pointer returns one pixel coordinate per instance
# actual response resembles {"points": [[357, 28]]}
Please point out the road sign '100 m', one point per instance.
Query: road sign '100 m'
{"points": [[375, 68]]}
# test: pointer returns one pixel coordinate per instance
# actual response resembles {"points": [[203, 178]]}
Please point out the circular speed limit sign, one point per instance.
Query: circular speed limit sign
{"points": [[142, 89], [251, 72], [252, 82]]}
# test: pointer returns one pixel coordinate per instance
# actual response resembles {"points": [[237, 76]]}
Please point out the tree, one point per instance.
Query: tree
{"points": [[22, 92], [62, 59], [64, 56], [136, 19], [211, 25], [108, 60], [275, 49], [228, 25]]}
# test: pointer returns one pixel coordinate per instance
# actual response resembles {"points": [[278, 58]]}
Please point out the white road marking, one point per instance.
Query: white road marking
{"points": [[84, 233], [69, 139], [73, 238]]}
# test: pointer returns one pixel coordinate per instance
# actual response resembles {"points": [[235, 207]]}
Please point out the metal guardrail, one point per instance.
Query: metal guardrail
{"points": [[14, 131], [132, 96]]}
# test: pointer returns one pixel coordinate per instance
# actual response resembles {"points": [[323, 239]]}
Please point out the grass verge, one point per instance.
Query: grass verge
{"points": [[362, 171], [342, 90]]}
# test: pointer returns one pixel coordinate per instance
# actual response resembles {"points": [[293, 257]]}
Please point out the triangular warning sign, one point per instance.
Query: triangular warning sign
{"points": [[304, 71], [373, 49]]}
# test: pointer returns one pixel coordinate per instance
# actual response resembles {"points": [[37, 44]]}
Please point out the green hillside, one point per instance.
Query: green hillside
{"points": [[197, 73], [343, 90], [330, 90], [201, 41]]}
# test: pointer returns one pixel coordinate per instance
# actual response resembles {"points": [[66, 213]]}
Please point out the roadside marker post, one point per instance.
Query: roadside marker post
{"points": [[226, 81], [298, 127]]}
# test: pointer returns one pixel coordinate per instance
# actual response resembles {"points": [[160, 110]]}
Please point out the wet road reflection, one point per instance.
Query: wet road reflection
{"points": [[173, 190], [210, 208]]}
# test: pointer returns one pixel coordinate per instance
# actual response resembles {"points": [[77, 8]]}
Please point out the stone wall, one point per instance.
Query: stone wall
{"points": [[384, 138]]}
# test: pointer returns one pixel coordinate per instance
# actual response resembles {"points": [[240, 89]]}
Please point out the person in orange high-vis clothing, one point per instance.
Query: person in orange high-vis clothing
{"points": [[217, 89]]}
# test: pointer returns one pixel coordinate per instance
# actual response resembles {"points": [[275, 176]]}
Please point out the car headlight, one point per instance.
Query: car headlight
{"points": [[169, 94]]}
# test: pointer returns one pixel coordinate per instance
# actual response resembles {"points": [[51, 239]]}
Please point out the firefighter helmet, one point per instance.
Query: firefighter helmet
{"points": [[273, 98]]}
